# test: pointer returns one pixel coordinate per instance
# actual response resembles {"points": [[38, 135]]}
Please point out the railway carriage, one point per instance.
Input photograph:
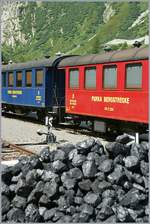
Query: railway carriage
{"points": [[34, 86], [109, 89]]}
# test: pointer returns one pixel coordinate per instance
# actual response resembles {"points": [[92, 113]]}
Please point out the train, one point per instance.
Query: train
{"points": [[107, 90]]}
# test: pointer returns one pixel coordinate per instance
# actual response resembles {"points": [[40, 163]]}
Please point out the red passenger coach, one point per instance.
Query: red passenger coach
{"points": [[109, 89]]}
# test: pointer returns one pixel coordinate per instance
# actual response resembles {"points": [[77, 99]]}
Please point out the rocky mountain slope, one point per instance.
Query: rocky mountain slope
{"points": [[33, 29]]}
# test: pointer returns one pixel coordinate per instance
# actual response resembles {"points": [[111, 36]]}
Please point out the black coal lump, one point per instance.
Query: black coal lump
{"points": [[126, 185], [19, 202], [78, 160], [85, 184], [6, 175], [35, 162], [26, 168], [16, 169], [98, 148], [58, 166], [66, 148], [119, 160], [4, 218], [36, 193], [57, 216], [44, 201], [131, 199], [72, 153], [104, 185], [39, 188], [117, 175], [144, 150], [92, 199], [22, 188], [32, 198], [124, 139], [32, 213], [16, 215], [62, 204], [5, 204], [95, 186], [84, 146], [131, 162], [122, 214], [91, 156], [50, 188], [45, 155], [140, 151], [75, 218], [114, 149], [69, 196], [135, 150], [61, 190], [105, 212], [78, 200], [76, 173], [89, 169], [79, 192], [24, 159], [5, 189], [15, 179], [12, 189], [66, 219], [49, 175], [138, 178], [83, 217], [70, 210], [59, 155], [31, 178], [69, 183], [109, 193], [120, 194], [100, 176], [106, 166], [144, 167], [87, 209], [139, 187], [42, 210]]}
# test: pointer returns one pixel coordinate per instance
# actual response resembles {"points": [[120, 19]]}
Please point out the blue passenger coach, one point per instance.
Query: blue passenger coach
{"points": [[34, 86]]}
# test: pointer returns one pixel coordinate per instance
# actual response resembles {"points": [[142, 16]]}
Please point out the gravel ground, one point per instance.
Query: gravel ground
{"points": [[24, 132]]}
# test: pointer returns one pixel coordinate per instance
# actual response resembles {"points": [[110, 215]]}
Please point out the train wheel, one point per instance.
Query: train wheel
{"points": [[77, 123], [41, 116]]}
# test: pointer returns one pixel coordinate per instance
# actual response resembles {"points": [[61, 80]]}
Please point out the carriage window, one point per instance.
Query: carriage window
{"points": [[4, 79], [18, 79], [28, 78], [134, 76], [39, 78], [110, 77], [90, 78], [74, 78], [10, 79]]}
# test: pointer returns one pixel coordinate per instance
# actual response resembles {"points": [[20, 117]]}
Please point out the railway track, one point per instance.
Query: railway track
{"points": [[12, 152], [71, 128]]}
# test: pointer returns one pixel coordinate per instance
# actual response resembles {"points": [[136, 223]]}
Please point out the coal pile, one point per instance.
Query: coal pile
{"points": [[79, 183]]}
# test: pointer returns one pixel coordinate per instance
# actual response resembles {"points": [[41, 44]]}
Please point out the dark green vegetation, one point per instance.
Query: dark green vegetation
{"points": [[68, 27]]}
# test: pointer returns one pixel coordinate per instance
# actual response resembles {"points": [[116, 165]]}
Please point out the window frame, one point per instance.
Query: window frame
{"points": [[18, 86], [11, 72], [133, 88], [88, 68], [28, 86], [39, 69], [4, 74], [74, 69], [103, 72]]}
